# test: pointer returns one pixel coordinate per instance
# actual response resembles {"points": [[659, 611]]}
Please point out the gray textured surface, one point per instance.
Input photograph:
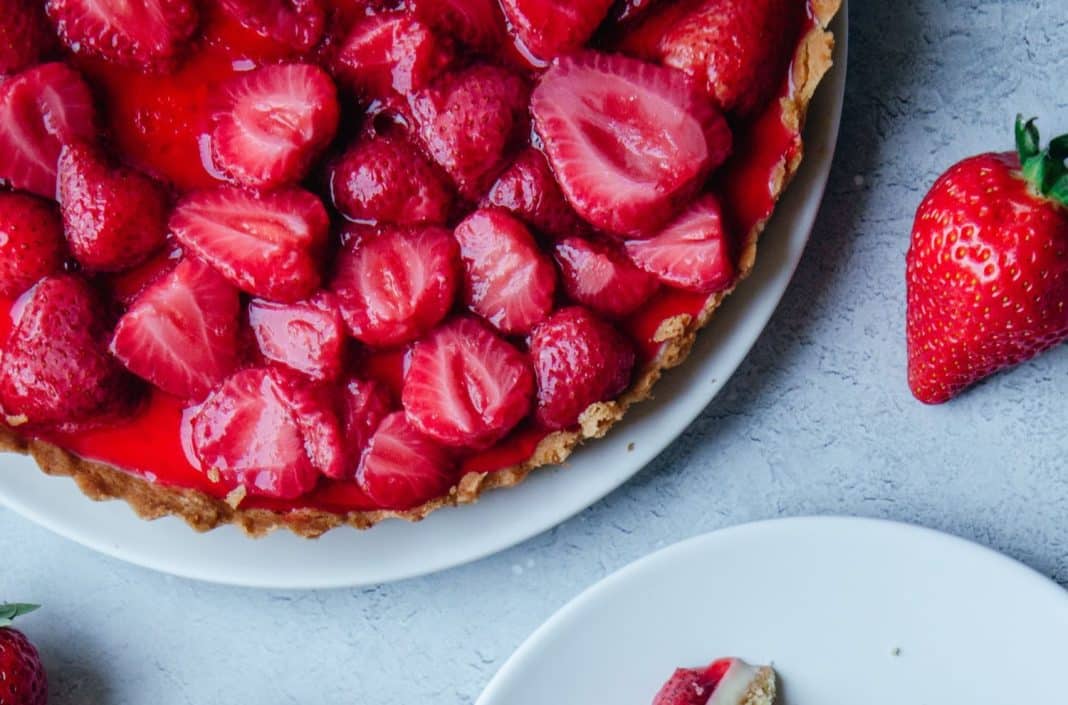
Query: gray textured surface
{"points": [[818, 420]]}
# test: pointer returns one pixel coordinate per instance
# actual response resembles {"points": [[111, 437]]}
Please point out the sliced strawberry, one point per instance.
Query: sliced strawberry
{"points": [[545, 29], [31, 242], [396, 284], [146, 33], [384, 180], [687, 686], [265, 244], [248, 433], [389, 52], [629, 142], [298, 24], [402, 468], [578, 359], [509, 281], [738, 49], [114, 217], [41, 109], [271, 123], [630, 10], [307, 336], [529, 189], [465, 386], [55, 366], [315, 409], [476, 23], [364, 403], [692, 252], [468, 121], [181, 333], [599, 276], [25, 35], [125, 287]]}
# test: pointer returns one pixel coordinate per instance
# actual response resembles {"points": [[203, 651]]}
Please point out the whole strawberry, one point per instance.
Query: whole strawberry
{"points": [[988, 266], [22, 677]]}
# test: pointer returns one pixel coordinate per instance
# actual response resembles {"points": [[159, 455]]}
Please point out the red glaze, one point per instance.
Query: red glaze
{"points": [[158, 123]]}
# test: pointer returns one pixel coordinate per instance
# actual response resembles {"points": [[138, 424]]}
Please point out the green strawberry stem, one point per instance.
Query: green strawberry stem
{"points": [[8, 612], [1045, 168]]}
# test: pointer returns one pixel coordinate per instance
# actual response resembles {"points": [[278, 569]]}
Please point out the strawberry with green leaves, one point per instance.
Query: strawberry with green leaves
{"points": [[988, 266], [22, 677]]}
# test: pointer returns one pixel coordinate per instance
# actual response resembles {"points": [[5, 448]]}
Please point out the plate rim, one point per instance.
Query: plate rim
{"points": [[816, 169], [528, 647]]}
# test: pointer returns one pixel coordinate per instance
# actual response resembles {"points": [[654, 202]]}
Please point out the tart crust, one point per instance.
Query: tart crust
{"points": [[203, 512]]}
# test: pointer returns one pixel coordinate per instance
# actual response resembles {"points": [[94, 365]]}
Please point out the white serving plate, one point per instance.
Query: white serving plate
{"points": [[849, 611], [396, 550]]}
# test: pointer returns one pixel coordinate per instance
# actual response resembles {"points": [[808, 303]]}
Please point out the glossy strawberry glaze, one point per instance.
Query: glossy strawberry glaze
{"points": [[155, 121]]}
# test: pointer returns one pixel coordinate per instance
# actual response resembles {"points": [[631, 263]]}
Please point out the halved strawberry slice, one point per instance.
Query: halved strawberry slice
{"points": [[509, 280], [298, 24], [476, 23], [598, 275], [364, 403], [271, 123], [629, 142], [146, 33], [401, 468], [25, 35], [469, 120], [55, 367], [465, 386], [545, 29], [687, 686], [315, 408], [307, 336], [180, 334], [41, 109], [693, 252], [247, 433], [389, 52], [529, 189], [396, 284], [31, 242], [578, 359], [265, 244], [114, 217], [385, 180]]}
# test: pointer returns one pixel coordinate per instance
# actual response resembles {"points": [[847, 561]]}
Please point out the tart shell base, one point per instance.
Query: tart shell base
{"points": [[203, 512]]}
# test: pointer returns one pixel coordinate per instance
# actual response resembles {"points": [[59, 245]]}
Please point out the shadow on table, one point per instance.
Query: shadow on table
{"points": [[77, 672]]}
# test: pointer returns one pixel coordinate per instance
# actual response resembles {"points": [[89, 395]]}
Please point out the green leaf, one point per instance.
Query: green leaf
{"points": [[1037, 171], [1059, 190], [1027, 138], [1058, 148], [8, 612]]}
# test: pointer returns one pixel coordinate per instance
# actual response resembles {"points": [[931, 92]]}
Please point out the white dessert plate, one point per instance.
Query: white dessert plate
{"points": [[849, 611], [396, 550]]}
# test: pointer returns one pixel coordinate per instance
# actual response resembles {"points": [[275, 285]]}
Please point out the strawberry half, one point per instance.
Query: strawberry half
{"points": [[468, 121], [509, 281], [180, 334], [248, 433], [394, 285], [272, 123], [55, 366], [466, 387], [693, 252], [306, 336], [25, 35], [385, 180], [148, 33], [401, 468], [364, 403], [988, 267], [114, 217], [529, 189], [315, 408], [41, 109], [31, 242], [265, 244], [629, 142], [476, 23], [296, 24], [687, 686], [599, 276], [545, 29], [578, 359], [391, 52]]}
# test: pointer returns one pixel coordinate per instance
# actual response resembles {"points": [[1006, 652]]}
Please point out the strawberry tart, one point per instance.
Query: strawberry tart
{"points": [[727, 681], [312, 263]]}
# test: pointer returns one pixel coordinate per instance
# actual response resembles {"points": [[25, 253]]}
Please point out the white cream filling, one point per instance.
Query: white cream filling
{"points": [[732, 688]]}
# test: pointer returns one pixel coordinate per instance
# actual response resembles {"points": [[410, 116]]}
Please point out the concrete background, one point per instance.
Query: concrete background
{"points": [[818, 420]]}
